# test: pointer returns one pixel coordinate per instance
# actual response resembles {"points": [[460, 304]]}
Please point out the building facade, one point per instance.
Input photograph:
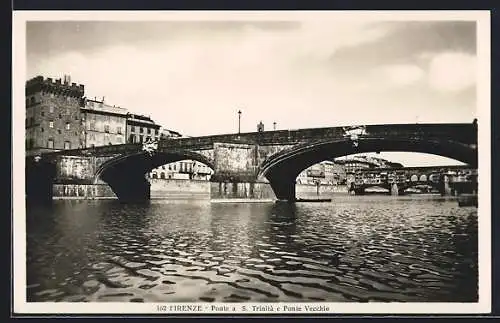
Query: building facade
{"points": [[167, 134], [104, 124], [53, 118], [324, 173], [354, 163], [141, 129], [361, 162], [184, 169]]}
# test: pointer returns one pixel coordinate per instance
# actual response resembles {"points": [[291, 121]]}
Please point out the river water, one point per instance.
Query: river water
{"points": [[353, 249]]}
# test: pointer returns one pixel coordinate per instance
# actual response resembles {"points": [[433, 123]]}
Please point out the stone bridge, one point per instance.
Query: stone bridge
{"points": [[246, 165], [448, 180]]}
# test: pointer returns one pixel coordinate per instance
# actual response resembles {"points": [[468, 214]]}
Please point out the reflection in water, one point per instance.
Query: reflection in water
{"points": [[356, 248]]}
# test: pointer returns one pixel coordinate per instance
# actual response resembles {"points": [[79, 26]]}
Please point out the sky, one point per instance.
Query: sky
{"points": [[193, 76]]}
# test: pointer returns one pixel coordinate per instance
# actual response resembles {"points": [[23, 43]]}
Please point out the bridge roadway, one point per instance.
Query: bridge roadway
{"points": [[245, 163]]}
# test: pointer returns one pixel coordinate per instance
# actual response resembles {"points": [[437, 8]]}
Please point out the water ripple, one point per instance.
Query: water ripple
{"points": [[363, 249]]}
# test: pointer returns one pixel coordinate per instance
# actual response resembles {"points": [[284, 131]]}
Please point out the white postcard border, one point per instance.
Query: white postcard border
{"points": [[484, 136]]}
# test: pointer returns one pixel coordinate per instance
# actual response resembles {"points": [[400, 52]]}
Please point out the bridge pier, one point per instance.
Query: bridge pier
{"points": [[445, 189], [129, 188], [395, 191], [132, 191], [359, 191], [39, 182], [224, 189], [284, 189]]}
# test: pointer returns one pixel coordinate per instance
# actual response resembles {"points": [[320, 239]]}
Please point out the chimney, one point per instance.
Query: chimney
{"points": [[67, 79]]}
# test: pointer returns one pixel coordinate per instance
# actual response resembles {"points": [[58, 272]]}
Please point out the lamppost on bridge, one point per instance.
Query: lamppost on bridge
{"points": [[239, 121], [274, 125]]}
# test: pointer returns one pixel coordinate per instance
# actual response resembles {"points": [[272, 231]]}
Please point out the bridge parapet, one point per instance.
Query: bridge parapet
{"points": [[467, 133]]}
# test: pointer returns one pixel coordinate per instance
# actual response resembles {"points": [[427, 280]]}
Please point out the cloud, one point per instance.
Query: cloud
{"points": [[400, 75], [195, 82], [452, 71], [257, 69]]}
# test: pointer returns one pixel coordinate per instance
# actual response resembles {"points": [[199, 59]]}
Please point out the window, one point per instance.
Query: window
{"points": [[59, 131], [157, 132], [132, 129], [50, 143], [162, 175], [51, 124], [60, 116], [169, 167], [119, 140], [42, 113], [106, 128], [68, 125], [141, 139], [41, 129], [163, 167], [149, 131], [32, 100], [119, 130], [140, 130], [131, 139], [51, 109], [154, 176], [67, 145], [148, 138]]}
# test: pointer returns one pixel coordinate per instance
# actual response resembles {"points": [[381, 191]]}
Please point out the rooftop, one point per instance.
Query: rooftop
{"points": [[100, 106], [40, 79], [141, 119], [39, 83]]}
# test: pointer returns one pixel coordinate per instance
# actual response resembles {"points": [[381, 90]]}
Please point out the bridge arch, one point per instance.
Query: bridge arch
{"points": [[125, 174], [281, 169]]}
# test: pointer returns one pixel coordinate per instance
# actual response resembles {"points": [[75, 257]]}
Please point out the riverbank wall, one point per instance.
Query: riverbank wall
{"points": [[82, 192], [191, 189], [323, 189]]}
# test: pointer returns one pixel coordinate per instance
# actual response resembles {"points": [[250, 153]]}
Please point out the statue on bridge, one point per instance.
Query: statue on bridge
{"points": [[353, 132], [150, 146]]}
